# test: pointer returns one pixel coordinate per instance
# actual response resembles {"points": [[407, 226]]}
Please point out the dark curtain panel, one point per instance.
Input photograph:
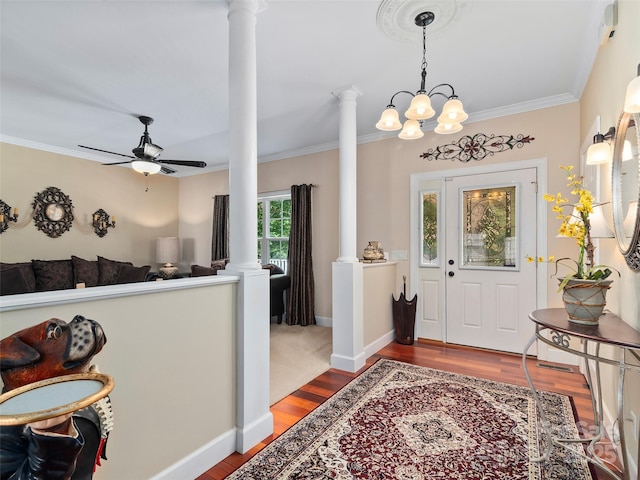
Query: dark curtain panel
{"points": [[300, 297], [220, 237]]}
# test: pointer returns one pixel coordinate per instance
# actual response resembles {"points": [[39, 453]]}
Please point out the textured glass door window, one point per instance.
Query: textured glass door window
{"points": [[429, 228], [489, 227]]}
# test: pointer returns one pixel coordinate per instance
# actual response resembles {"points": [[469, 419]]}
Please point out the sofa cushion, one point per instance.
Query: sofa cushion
{"points": [[28, 276], [12, 281], [131, 274], [53, 274], [200, 271], [85, 271], [109, 270]]}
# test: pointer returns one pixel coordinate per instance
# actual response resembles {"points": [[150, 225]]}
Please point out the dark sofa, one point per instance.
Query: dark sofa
{"points": [[279, 282], [48, 275]]}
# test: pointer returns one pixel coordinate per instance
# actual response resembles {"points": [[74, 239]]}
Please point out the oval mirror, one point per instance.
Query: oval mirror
{"points": [[625, 188]]}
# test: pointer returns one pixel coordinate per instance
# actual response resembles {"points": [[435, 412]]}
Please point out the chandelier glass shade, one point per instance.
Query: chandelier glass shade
{"points": [[420, 109]]}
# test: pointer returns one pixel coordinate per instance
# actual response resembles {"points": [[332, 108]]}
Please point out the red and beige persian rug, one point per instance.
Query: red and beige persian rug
{"points": [[407, 422]]}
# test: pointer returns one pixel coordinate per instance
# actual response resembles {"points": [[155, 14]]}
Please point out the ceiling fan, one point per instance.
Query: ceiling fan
{"points": [[146, 159]]}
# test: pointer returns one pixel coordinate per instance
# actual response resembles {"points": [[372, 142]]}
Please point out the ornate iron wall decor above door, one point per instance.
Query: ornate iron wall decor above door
{"points": [[477, 147], [52, 212]]}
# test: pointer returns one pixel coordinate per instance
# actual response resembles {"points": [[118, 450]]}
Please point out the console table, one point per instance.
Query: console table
{"points": [[611, 330]]}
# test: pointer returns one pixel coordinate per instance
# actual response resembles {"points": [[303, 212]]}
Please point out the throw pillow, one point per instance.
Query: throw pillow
{"points": [[26, 268], [53, 274], [270, 267], [109, 270], [12, 281], [131, 274], [219, 264], [200, 271], [85, 271]]}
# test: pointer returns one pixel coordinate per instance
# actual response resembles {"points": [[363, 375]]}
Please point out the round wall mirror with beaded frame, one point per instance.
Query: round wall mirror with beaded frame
{"points": [[52, 212], [625, 188]]}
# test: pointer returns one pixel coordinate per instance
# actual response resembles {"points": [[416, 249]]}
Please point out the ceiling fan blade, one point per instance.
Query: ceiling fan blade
{"points": [[117, 163], [183, 163], [167, 170], [105, 151]]}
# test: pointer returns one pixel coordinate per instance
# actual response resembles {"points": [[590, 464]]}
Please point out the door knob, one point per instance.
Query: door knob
{"points": [[451, 274]]}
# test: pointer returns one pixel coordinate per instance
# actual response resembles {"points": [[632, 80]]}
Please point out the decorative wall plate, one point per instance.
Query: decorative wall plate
{"points": [[52, 212]]}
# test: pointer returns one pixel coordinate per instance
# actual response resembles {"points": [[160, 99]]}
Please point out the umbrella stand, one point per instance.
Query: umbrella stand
{"points": [[404, 315]]}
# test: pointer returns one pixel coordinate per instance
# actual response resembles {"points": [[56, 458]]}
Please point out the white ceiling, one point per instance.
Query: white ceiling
{"points": [[80, 72]]}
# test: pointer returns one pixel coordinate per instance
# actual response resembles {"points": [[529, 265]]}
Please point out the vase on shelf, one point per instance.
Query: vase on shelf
{"points": [[584, 300]]}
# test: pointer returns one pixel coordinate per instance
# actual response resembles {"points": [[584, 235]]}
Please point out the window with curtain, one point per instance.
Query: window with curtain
{"points": [[274, 227]]}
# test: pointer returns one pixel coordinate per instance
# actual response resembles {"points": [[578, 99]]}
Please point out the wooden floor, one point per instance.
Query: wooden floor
{"points": [[491, 365]]}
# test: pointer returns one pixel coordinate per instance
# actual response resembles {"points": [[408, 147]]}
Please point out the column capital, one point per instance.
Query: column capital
{"points": [[252, 6], [348, 92]]}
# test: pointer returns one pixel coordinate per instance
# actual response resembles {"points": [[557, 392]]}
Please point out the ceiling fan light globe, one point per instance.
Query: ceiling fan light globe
{"points": [[420, 108], [411, 130], [145, 167], [453, 112], [389, 120]]}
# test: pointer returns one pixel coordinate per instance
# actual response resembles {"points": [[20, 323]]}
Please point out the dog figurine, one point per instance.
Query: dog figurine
{"points": [[67, 447]]}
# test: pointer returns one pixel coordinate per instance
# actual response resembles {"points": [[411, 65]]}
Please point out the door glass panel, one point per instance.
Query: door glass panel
{"points": [[489, 227], [429, 228]]}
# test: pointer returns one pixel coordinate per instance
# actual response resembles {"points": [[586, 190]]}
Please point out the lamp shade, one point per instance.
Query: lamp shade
{"points": [[599, 153], [420, 108], [411, 130], [453, 112], [599, 226], [167, 250], [389, 120], [152, 150], [146, 167], [632, 99]]}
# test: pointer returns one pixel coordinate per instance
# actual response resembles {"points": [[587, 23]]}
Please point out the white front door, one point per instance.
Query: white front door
{"points": [[490, 226]]}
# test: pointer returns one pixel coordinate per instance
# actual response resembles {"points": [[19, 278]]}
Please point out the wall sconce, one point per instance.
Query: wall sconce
{"points": [[102, 222], [600, 151], [6, 217], [632, 99]]}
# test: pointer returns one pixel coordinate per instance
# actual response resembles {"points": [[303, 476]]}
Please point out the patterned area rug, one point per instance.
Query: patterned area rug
{"points": [[407, 422]]}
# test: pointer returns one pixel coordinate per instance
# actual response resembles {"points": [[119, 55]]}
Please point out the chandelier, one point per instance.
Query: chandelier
{"points": [[452, 116]]}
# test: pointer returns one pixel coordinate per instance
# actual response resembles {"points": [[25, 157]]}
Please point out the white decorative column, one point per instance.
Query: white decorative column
{"points": [[254, 421], [348, 147], [347, 294]]}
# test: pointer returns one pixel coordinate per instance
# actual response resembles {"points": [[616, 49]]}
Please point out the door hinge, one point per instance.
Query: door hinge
{"points": [[535, 186]]}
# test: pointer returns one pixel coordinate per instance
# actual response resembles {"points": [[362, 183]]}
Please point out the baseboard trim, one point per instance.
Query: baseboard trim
{"points": [[378, 344], [250, 436], [324, 321], [348, 364], [202, 459]]}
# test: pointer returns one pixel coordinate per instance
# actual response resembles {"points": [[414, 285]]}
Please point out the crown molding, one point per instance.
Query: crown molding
{"points": [[485, 115]]}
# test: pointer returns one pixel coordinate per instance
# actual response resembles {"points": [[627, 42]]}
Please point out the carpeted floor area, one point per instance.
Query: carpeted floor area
{"points": [[298, 355], [403, 421]]}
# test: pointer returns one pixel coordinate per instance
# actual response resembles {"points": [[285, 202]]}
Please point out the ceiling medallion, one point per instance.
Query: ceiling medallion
{"points": [[395, 17], [477, 147]]}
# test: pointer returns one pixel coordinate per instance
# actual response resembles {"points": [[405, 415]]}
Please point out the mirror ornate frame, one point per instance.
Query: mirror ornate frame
{"points": [[625, 188]]}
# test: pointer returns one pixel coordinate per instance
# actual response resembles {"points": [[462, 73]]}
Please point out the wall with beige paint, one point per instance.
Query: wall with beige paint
{"points": [[141, 215], [615, 66], [384, 168]]}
